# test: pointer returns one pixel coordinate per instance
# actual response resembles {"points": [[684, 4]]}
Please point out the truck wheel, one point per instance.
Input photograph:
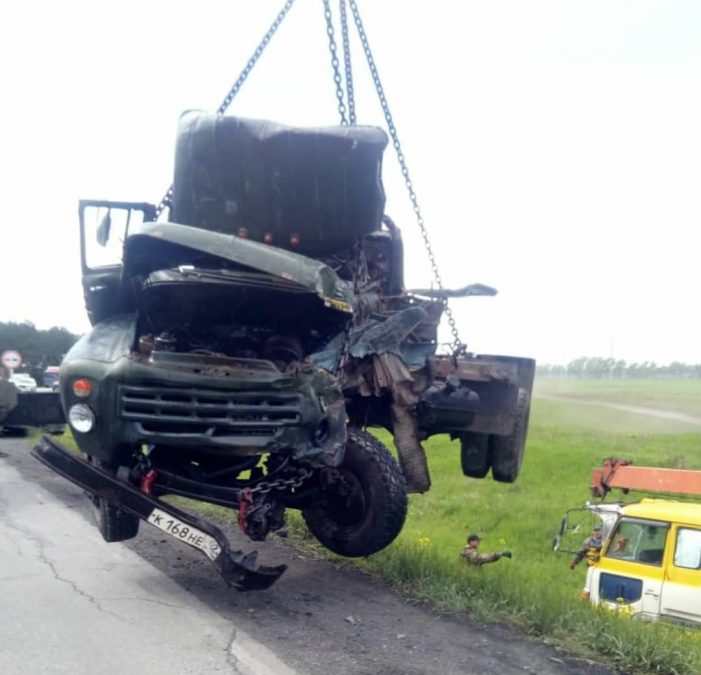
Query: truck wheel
{"points": [[363, 503], [474, 454], [113, 523], [506, 452]]}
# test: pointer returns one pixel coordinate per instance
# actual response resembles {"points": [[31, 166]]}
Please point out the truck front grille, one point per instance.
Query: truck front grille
{"points": [[196, 412]]}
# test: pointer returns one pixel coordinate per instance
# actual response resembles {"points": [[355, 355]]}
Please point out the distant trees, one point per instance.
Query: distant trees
{"points": [[39, 348], [597, 367]]}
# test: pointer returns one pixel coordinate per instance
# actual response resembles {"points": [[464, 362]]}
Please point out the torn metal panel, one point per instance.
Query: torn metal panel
{"points": [[376, 337]]}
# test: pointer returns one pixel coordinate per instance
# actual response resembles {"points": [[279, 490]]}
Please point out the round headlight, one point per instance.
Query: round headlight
{"points": [[81, 418]]}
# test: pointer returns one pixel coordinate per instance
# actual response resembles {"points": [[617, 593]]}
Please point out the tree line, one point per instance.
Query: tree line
{"points": [[39, 348], [597, 367]]}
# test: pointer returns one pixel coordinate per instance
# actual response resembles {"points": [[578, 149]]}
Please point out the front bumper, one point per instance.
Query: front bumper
{"points": [[236, 568]]}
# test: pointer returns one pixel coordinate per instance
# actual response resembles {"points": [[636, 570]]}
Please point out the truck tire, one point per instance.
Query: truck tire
{"points": [[372, 512], [506, 452], [113, 523], [474, 454]]}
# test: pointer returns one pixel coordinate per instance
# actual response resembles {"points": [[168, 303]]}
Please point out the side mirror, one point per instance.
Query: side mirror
{"points": [[103, 229], [557, 539]]}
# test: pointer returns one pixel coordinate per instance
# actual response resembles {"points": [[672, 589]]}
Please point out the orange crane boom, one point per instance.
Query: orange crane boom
{"points": [[621, 474]]}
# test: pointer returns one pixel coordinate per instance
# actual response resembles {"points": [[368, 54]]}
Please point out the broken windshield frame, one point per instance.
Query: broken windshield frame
{"points": [[104, 227]]}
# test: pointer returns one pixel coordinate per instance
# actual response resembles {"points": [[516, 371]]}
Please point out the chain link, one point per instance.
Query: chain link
{"points": [[350, 94], [457, 343], [264, 487], [168, 197], [335, 63]]}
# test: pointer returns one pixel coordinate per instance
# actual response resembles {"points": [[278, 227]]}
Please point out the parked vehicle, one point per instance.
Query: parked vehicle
{"points": [[50, 377], [650, 563], [19, 410], [24, 382]]}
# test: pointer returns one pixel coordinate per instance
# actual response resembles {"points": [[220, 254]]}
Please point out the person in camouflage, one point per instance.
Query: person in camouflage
{"points": [[472, 555], [590, 549]]}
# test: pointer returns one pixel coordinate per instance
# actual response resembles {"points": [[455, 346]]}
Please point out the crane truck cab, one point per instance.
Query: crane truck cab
{"points": [[649, 565]]}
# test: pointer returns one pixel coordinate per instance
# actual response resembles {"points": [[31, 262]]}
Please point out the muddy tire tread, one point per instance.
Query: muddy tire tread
{"points": [[387, 517]]}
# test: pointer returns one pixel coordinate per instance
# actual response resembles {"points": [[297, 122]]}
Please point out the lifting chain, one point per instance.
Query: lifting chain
{"points": [[338, 80], [457, 344], [350, 94], [168, 197]]}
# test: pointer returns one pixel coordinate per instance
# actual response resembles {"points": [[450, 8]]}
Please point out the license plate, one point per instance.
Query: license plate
{"points": [[185, 533]]}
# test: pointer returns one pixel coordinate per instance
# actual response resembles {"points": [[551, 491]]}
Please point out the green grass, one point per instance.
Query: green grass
{"points": [[675, 395]]}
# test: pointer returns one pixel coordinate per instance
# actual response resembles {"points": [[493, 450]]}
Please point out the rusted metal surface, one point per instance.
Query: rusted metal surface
{"points": [[473, 370]]}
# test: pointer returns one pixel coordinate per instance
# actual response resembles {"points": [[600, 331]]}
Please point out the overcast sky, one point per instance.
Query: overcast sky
{"points": [[555, 148]]}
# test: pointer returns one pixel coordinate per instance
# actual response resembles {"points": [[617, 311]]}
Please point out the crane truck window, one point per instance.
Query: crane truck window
{"points": [[687, 553], [638, 541]]}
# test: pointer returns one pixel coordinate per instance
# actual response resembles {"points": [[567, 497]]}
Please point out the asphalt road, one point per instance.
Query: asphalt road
{"points": [[74, 604]]}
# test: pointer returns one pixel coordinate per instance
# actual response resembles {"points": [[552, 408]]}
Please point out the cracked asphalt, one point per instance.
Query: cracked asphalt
{"points": [[74, 604]]}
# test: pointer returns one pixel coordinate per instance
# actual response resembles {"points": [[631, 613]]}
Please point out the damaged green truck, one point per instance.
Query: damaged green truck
{"points": [[240, 351]]}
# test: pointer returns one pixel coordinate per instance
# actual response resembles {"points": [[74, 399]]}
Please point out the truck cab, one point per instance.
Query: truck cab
{"points": [[650, 563]]}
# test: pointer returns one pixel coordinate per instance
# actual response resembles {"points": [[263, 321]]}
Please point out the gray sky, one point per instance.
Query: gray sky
{"points": [[555, 148]]}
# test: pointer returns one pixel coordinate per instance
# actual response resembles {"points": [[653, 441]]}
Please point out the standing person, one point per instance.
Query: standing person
{"points": [[590, 548], [473, 556]]}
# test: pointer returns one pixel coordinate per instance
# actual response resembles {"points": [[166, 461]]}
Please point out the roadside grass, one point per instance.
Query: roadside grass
{"points": [[535, 591]]}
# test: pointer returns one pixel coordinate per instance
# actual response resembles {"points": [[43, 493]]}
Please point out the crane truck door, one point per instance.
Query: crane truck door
{"points": [[681, 590], [630, 573]]}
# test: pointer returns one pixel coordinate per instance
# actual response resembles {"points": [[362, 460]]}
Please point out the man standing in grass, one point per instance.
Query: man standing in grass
{"points": [[473, 556]]}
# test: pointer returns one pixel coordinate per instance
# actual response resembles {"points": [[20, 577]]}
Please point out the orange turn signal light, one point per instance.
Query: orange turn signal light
{"points": [[82, 388]]}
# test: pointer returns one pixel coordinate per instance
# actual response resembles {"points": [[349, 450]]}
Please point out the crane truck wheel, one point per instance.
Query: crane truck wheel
{"points": [[506, 452], [362, 504]]}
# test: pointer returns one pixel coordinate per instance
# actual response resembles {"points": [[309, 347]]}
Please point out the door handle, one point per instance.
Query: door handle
{"points": [[652, 594]]}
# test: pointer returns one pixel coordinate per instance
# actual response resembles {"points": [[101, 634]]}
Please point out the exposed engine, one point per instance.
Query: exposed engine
{"points": [[225, 313]]}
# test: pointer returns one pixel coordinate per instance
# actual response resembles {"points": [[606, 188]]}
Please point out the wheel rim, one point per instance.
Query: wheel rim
{"points": [[345, 499]]}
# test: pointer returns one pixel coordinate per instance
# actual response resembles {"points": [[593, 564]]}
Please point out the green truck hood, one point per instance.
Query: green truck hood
{"points": [[160, 246]]}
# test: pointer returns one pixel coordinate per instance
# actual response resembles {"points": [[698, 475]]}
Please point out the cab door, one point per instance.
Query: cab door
{"points": [[630, 573], [681, 590], [104, 227]]}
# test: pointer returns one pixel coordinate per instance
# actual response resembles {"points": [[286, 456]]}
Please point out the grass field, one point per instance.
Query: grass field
{"points": [[536, 590], [676, 395]]}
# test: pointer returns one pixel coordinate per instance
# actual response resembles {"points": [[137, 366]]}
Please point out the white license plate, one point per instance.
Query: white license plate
{"points": [[185, 533]]}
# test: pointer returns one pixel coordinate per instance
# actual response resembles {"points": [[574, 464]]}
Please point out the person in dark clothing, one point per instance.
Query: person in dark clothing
{"points": [[590, 548]]}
